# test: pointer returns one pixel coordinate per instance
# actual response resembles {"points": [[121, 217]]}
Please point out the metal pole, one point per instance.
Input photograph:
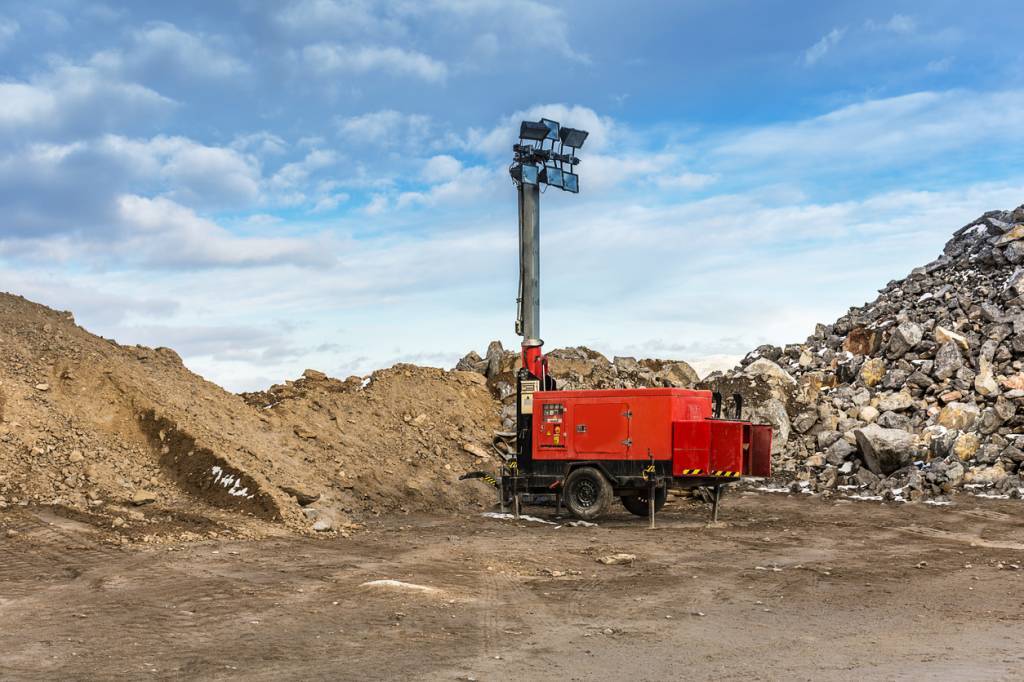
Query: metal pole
{"points": [[529, 261]]}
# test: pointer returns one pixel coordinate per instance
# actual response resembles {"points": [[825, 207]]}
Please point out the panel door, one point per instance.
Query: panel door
{"points": [[601, 428]]}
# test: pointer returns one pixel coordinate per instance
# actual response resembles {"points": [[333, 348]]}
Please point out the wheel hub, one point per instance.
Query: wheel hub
{"points": [[585, 493]]}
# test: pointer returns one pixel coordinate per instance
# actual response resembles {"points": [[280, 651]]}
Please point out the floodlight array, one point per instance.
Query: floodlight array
{"points": [[540, 157]]}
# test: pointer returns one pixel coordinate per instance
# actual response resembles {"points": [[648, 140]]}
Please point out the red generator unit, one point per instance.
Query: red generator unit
{"points": [[590, 447]]}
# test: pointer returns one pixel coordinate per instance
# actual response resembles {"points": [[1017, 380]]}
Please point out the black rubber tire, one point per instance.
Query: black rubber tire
{"points": [[587, 493], [637, 502]]}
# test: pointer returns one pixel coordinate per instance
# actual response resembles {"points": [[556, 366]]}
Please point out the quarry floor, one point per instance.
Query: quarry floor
{"points": [[782, 588]]}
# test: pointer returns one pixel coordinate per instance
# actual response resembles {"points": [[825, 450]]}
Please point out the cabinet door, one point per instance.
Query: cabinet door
{"points": [[601, 428]]}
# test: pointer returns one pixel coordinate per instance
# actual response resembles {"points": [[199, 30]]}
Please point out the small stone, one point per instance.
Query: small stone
{"points": [[895, 402], [143, 497], [868, 414], [944, 336], [76, 456], [872, 371], [42, 387], [959, 416], [323, 525], [966, 445], [303, 432], [617, 559]]}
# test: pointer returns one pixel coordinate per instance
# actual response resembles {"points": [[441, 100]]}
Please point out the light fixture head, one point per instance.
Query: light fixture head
{"points": [[552, 127], [530, 174], [571, 182], [550, 175], [533, 130], [571, 137]]}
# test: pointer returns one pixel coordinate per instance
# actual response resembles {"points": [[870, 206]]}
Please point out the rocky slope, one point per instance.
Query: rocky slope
{"points": [[916, 393]]}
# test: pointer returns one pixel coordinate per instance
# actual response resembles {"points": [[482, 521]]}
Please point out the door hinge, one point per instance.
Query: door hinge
{"points": [[628, 414], [628, 442]]}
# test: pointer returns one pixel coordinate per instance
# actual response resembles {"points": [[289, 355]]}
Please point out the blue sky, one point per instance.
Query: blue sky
{"points": [[270, 186]]}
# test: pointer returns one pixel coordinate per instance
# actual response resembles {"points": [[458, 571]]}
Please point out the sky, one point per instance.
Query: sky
{"points": [[271, 186]]}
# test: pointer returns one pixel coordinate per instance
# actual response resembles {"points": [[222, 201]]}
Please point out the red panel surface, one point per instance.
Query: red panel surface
{"points": [[691, 445], [760, 451], [649, 426], [601, 428], [726, 448]]}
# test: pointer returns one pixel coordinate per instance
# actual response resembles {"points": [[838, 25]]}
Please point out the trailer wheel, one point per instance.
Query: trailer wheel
{"points": [[637, 502], [587, 493]]}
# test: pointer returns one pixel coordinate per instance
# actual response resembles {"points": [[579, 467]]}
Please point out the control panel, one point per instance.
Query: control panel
{"points": [[553, 433]]}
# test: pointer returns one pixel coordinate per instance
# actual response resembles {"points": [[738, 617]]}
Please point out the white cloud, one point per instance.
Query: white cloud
{"points": [[498, 140], [878, 132], [378, 204], [939, 65], [899, 23], [440, 168], [162, 234], [815, 52], [191, 172], [334, 58], [353, 18], [263, 142], [165, 47], [387, 128], [76, 99], [295, 174], [8, 29], [685, 181]]}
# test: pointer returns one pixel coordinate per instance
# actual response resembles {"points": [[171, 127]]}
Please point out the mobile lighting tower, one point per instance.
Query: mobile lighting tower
{"points": [[589, 447]]}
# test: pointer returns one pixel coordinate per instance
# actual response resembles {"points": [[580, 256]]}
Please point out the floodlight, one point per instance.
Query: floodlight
{"points": [[529, 174], [552, 127], [551, 176], [571, 182], [533, 130], [571, 137]]}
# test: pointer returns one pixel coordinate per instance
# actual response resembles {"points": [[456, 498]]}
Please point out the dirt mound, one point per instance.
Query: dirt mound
{"points": [[129, 436], [916, 393]]}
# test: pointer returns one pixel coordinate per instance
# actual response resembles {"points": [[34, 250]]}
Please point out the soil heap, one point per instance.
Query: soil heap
{"points": [[914, 394], [127, 436]]}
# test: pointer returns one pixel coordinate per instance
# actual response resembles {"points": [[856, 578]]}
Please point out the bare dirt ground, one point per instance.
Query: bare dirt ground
{"points": [[783, 588]]}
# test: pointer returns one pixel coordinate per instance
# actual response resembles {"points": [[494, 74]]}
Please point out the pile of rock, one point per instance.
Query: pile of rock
{"points": [[574, 368], [916, 393]]}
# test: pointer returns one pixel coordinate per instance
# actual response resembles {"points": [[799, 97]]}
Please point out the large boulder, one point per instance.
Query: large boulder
{"points": [[679, 374], [770, 372], [495, 354], [885, 450]]}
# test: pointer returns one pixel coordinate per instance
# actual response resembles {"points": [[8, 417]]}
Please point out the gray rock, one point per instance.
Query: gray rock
{"points": [[769, 371], [885, 450], [839, 452], [893, 420], [948, 361], [903, 339], [495, 353]]}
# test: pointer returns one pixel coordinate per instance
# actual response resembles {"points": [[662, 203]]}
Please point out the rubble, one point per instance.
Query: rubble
{"points": [[915, 393]]}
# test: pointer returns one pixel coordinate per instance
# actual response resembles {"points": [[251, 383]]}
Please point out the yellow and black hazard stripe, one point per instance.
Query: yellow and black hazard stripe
{"points": [[490, 480], [691, 472], [726, 474]]}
